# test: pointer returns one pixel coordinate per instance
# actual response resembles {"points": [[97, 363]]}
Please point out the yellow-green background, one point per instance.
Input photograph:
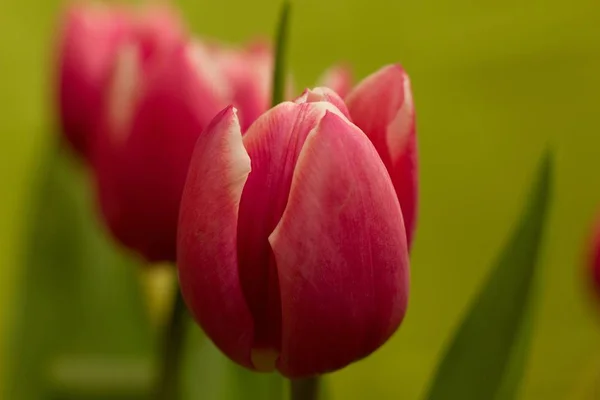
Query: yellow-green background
{"points": [[494, 83]]}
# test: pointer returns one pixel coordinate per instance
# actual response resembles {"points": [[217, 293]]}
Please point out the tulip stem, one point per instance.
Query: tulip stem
{"points": [[280, 45], [305, 389], [167, 384]]}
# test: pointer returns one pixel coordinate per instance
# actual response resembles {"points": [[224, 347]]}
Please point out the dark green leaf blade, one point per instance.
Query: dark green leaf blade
{"points": [[78, 297], [280, 49], [482, 353]]}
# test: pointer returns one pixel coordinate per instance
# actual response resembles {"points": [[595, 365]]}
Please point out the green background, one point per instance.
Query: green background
{"points": [[494, 84]]}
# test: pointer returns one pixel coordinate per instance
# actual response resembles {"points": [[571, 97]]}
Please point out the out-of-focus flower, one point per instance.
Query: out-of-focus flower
{"points": [[156, 106], [382, 106], [338, 78], [92, 33], [163, 92], [593, 261], [292, 251], [248, 72]]}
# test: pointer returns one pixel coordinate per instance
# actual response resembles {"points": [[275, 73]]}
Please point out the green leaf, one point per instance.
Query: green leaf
{"points": [[209, 375], [78, 296], [280, 43], [490, 343]]}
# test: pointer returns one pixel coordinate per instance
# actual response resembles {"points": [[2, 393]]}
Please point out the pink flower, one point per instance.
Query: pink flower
{"points": [[292, 251], [594, 258], [157, 104], [92, 34], [162, 94]]}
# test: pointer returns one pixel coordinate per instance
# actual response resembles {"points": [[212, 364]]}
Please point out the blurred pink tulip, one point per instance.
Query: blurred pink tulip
{"points": [[92, 34], [594, 257], [162, 94], [292, 251], [155, 109], [248, 72], [339, 79]]}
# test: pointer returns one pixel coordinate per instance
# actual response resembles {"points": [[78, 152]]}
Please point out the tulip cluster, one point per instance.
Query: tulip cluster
{"points": [[135, 91], [291, 226]]}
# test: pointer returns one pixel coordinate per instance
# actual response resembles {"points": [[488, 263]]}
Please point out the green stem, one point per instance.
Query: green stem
{"points": [[305, 389], [280, 44], [167, 384]]}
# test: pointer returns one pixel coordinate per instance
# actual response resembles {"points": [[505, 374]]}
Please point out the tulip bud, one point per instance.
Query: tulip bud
{"points": [[292, 252], [158, 101], [382, 106], [89, 40]]}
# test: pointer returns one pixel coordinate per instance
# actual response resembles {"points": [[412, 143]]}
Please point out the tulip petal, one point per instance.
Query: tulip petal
{"points": [[156, 28], [323, 94], [273, 143], [337, 78], [207, 244], [382, 106], [121, 93], [341, 253]]}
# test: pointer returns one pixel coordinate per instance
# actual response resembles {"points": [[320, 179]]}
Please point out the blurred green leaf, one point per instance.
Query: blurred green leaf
{"points": [[281, 39], [101, 376], [78, 296], [490, 343], [209, 375]]}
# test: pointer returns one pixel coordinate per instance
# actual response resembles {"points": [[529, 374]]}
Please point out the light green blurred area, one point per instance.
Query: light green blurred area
{"points": [[494, 85]]}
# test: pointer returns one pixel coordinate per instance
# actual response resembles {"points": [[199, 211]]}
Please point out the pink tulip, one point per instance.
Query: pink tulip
{"points": [[292, 252], [162, 95], [157, 104], [382, 106], [90, 37]]}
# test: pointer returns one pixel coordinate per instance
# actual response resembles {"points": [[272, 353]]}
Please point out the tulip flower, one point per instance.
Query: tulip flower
{"points": [[155, 108], [292, 251], [91, 37], [162, 95]]}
